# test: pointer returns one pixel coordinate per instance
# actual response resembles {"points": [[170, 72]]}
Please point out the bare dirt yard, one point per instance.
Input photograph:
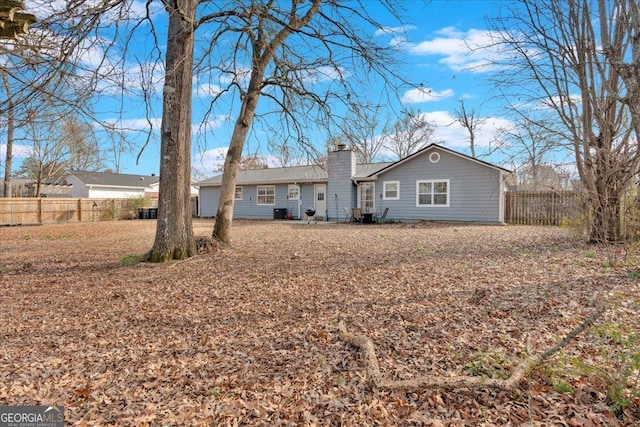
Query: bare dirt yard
{"points": [[249, 335]]}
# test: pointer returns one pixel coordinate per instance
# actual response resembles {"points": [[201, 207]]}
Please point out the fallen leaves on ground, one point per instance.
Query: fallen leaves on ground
{"points": [[248, 335]]}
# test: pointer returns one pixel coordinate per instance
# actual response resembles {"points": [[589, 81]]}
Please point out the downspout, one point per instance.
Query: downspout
{"points": [[501, 196], [299, 200]]}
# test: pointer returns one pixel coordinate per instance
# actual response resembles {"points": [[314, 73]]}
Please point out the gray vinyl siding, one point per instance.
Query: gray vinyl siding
{"points": [[474, 189], [248, 208]]}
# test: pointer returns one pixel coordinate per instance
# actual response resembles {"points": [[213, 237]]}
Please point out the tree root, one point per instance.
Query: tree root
{"points": [[374, 377]]}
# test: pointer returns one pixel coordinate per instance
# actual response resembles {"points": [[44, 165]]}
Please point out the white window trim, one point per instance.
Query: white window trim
{"points": [[289, 188], [384, 190], [433, 181], [258, 195], [235, 192]]}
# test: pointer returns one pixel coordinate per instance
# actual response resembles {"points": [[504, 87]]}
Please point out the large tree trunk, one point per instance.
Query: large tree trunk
{"points": [[224, 215], [174, 230], [10, 132], [8, 187]]}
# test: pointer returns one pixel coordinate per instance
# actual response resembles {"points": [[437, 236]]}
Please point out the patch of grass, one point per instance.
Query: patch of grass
{"points": [[633, 275], [562, 387], [129, 260], [589, 254], [493, 364], [27, 237], [622, 368]]}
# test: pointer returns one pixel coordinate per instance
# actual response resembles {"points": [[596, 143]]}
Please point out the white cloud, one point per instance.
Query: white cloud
{"points": [[474, 50], [207, 90], [216, 123], [18, 150], [425, 94], [210, 162]]}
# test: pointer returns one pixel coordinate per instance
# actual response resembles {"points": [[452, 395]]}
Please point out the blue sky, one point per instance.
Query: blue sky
{"points": [[438, 49]]}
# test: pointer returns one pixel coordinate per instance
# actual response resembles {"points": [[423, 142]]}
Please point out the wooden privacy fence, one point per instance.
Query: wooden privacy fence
{"points": [[541, 207], [16, 211]]}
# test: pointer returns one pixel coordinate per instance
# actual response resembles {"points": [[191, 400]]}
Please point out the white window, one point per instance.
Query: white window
{"points": [[294, 192], [391, 190], [266, 194], [432, 193], [239, 193]]}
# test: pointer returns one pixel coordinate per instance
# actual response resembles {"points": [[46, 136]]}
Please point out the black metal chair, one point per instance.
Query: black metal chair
{"points": [[348, 217], [382, 217]]}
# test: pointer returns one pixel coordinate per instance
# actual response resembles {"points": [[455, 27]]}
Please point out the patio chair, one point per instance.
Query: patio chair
{"points": [[347, 215], [357, 215], [382, 217]]}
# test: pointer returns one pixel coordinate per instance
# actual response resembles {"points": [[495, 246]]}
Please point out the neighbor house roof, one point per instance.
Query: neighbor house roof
{"points": [[109, 179]]}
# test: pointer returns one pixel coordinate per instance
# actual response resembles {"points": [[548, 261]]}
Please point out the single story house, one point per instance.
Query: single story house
{"points": [[435, 183], [107, 185]]}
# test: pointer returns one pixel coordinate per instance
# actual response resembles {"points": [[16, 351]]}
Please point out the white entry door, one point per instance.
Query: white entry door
{"points": [[320, 205]]}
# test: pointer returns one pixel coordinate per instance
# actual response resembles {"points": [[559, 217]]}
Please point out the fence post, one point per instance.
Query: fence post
{"points": [[113, 208], [79, 210]]}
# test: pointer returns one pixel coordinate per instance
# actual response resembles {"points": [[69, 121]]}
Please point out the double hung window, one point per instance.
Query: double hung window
{"points": [[266, 194], [432, 193]]}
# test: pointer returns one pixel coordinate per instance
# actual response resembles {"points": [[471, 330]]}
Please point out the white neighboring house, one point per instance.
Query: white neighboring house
{"points": [[107, 185], [154, 190]]}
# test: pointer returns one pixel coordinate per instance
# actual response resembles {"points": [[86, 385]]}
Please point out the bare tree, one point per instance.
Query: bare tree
{"points": [[530, 144], [561, 68], [409, 134], [58, 145], [470, 120], [287, 155], [363, 131], [306, 59], [620, 40], [250, 162]]}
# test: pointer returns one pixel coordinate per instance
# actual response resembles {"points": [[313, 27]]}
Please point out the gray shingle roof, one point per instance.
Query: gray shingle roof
{"points": [[273, 176], [299, 174], [109, 179]]}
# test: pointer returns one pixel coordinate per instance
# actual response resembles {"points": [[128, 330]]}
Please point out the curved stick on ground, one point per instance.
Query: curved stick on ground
{"points": [[374, 377]]}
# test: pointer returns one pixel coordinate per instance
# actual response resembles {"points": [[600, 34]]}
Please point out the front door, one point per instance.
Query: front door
{"points": [[320, 205]]}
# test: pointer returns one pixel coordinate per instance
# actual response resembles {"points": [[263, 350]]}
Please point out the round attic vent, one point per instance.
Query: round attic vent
{"points": [[434, 157]]}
